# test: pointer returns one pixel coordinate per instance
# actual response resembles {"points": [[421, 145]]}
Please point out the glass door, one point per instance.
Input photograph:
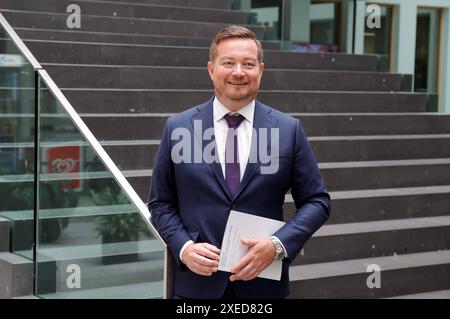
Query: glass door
{"points": [[427, 48], [377, 36]]}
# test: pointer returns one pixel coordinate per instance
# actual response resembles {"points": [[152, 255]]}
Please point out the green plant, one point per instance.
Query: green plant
{"points": [[117, 227]]}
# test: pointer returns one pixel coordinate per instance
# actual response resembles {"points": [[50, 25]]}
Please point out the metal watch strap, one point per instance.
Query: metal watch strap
{"points": [[279, 251]]}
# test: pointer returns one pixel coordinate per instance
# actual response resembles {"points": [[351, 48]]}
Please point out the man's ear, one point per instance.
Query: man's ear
{"points": [[261, 68], [210, 69]]}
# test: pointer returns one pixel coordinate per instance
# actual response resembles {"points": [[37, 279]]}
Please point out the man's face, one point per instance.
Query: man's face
{"points": [[235, 72]]}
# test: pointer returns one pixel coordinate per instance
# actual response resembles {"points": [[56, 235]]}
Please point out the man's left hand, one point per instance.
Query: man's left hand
{"points": [[260, 255]]}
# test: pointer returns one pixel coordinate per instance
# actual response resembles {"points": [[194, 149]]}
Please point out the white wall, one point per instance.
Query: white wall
{"points": [[444, 67], [404, 41], [300, 25]]}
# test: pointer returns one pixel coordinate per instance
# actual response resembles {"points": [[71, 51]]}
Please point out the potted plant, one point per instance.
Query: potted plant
{"points": [[126, 227]]}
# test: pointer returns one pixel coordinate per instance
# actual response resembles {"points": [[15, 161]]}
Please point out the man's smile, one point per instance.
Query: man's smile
{"points": [[237, 84]]}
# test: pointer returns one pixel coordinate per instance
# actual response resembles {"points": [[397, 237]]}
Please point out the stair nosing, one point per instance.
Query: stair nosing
{"points": [[297, 114], [97, 293], [384, 163], [14, 258], [204, 68], [359, 266], [292, 114], [383, 225], [141, 4], [378, 137], [438, 294], [383, 192], [160, 5], [115, 44], [332, 54], [125, 142], [111, 33], [61, 253], [260, 91]]}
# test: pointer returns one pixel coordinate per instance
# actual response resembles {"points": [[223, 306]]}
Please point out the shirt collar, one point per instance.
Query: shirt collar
{"points": [[219, 111]]}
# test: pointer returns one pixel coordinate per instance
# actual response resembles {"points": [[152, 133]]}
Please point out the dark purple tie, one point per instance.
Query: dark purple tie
{"points": [[232, 172]]}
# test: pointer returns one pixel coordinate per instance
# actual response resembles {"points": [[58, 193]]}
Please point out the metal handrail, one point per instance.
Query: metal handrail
{"points": [[98, 149], [19, 43]]}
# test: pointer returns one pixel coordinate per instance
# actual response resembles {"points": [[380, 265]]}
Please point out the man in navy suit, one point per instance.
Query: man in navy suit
{"points": [[214, 158]]}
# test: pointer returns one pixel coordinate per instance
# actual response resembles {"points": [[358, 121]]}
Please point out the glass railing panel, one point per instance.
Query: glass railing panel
{"points": [[17, 138], [92, 240]]}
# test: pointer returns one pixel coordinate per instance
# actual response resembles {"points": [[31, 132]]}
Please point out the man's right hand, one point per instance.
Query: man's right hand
{"points": [[201, 258]]}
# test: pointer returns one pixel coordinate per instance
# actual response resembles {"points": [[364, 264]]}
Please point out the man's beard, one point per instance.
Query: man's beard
{"points": [[237, 95]]}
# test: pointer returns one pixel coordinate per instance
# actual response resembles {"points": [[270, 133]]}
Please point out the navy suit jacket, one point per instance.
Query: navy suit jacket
{"points": [[190, 201]]}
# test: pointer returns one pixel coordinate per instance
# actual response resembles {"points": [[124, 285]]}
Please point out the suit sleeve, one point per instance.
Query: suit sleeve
{"points": [[163, 203], [310, 197]]}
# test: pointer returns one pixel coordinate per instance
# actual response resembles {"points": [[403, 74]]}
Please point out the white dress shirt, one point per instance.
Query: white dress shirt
{"points": [[244, 132], [244, 136]]}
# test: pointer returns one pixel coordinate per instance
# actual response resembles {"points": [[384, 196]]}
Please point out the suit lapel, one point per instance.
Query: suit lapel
{"points": [[205, 117], [262, 120]]}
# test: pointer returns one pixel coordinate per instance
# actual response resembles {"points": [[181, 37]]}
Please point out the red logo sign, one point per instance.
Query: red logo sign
{"points": [[65, 160]]}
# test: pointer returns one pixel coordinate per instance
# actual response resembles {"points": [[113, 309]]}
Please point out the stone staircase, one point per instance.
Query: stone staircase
{"points": [[16, 272], [385, 159]]}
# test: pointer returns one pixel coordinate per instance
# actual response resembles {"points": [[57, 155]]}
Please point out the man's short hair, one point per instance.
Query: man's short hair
{"points": [[234, 31]]}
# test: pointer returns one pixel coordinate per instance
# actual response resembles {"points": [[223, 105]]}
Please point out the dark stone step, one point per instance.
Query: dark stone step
{"points": [[376, 239], [43, 20], [146, 289], [371, 148], [16, 275], [222, 4], [137, 126], [104, 263], [439, 294], [123, 38], [372, 205], [82, 53], [132, 10], [143, 155], [126, 77], [4, 234], [369, 178], [358, 178], [174, 101], [141, 185], [389, 174], [144, 152], [375, 124], [400, 275], [325, 151]]}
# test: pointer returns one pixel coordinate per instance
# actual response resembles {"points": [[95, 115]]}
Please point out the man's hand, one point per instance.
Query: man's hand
{"points": [[259, 256], [201, 258]]}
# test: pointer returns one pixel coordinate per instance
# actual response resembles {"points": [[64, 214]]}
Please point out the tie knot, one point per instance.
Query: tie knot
{"points": [[234, 120]]}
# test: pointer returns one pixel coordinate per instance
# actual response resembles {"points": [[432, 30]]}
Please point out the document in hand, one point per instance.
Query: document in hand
{"points": [[242, 225]]}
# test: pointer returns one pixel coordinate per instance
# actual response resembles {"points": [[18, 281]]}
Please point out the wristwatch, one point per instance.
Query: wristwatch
{"points": [[279, 251]]}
